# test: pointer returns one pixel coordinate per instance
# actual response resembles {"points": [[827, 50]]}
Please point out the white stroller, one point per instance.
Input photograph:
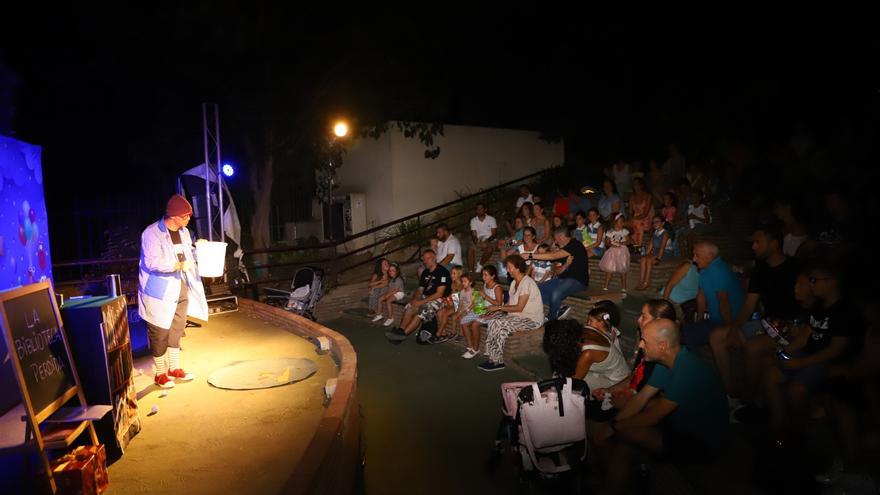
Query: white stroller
{"points": [[306, 290], [545, 424]]}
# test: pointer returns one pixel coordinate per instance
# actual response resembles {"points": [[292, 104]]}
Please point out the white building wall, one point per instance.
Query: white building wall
{"points": [[398, 180]]}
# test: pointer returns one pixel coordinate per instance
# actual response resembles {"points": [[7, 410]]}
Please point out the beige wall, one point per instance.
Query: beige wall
{"points": [[398, 180]]}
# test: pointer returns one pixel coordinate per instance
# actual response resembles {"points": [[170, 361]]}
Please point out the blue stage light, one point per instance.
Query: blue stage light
{"points": [[228, 171]]}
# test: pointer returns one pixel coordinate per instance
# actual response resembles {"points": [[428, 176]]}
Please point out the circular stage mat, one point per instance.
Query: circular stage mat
{"points": [[262, 373]]}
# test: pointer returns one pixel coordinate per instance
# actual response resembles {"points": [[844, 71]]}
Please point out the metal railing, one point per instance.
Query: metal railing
{"points": [[411, 231]]}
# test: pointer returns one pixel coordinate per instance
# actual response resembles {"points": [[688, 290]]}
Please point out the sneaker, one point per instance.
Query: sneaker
{"points": [[426, 336], [833, 473], [490, 366], [163, 381], [180, 375], [470, 353], [389, 322], [563, 312], [439, 339], [397, 335], [458, 337], [377, 318]]}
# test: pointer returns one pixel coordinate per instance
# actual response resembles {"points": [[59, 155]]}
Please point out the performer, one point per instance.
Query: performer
{"points": [[169, 288]]}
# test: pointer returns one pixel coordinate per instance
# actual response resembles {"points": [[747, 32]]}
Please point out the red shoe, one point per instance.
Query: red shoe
{"points": [[163, 381], [180, 375]]}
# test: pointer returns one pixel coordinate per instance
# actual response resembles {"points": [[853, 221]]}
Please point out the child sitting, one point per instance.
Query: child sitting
{"points": [[661, 247], [450, 304], [491, 294], [542, 271], [394, 293], [595, 241]]}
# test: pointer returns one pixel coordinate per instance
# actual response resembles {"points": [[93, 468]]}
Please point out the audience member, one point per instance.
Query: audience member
{"points": [[680, 413], [378, 286], [609, 204], [525, 312], [793, 227], [395, 293], [661, 248], [483, 231], [433, 285], [448, 248], [573, 278], [491, 294], [594, 240], [720, 297], [541, 223], [450, 305], [616, 257], [770, 286], [642, 206]]}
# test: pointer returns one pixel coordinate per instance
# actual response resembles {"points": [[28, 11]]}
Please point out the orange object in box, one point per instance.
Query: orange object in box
{"points": [[100, 455], [75, 477]]}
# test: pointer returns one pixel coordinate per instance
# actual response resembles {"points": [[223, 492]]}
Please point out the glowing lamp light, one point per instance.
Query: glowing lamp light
{"points": [[340, 129], [228, 171], [588, 190]]}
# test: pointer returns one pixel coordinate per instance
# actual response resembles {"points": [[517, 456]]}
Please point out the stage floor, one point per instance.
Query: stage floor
{"points": [[208, 440]]}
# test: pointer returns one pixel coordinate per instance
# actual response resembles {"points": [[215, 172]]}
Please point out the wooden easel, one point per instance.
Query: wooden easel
{"points": [[62, 424]]}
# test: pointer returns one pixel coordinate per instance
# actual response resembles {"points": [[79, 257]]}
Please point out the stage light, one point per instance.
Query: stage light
{"points": [[340, 129], [228, 171]]}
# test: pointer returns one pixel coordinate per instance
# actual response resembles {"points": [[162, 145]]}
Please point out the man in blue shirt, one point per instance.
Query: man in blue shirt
{"points": [[681, 412], [721, 296]]}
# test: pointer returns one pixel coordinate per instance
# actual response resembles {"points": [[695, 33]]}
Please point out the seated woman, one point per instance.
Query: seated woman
{"points": [[591, 353], [682, 289], [508, 246], [525, 312], [378, 287]]}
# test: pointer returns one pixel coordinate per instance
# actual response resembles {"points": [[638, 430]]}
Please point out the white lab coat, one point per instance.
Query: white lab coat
{"points": [[159, 282]]}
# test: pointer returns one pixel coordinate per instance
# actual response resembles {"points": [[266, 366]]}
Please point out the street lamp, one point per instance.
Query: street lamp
{"points": [[340, 131]]}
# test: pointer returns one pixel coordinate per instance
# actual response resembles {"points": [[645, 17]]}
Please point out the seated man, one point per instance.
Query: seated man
{"points": [[836, 333], [434, 283], [574, 276], [448, 248], [483, 230], [770, 284], [525, 196], [720, 295], [680, 412]]}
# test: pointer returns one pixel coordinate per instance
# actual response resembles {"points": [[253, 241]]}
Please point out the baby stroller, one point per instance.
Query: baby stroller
{"points": [[306, 290], [545, 424]]}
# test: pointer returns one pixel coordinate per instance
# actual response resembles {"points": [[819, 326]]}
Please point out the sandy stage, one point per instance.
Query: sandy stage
{"points": [[208, 440]]}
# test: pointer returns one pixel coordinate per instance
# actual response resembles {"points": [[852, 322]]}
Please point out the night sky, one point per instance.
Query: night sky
{"points": [[114, 97]]}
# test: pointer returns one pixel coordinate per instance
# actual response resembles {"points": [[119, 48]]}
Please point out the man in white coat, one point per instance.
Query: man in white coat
{"points": [[169, 288]]}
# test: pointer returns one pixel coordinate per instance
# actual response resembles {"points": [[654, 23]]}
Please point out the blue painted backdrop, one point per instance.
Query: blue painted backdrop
{"points": [[24, 228]]}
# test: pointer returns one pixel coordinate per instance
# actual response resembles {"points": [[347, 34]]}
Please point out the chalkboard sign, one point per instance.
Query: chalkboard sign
{"points": [[34, 335]]}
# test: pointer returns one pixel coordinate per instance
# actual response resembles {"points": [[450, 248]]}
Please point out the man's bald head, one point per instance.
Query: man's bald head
{"points": [[705, 253], [660, 338]]}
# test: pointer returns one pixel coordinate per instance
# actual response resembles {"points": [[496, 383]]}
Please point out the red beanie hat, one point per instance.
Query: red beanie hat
{"points": [[178, 206]]}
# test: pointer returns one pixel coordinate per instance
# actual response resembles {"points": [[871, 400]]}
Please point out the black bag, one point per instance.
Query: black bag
{"points": [[426, 332]]}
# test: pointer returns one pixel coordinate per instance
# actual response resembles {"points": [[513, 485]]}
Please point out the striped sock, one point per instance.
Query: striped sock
{"points": [[161, 367], [174, 358]]}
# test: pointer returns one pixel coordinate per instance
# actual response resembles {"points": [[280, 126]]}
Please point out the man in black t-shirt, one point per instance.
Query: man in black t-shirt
{"points": [[434, 284], [836, 335], [772, 285], [575, 276]]}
